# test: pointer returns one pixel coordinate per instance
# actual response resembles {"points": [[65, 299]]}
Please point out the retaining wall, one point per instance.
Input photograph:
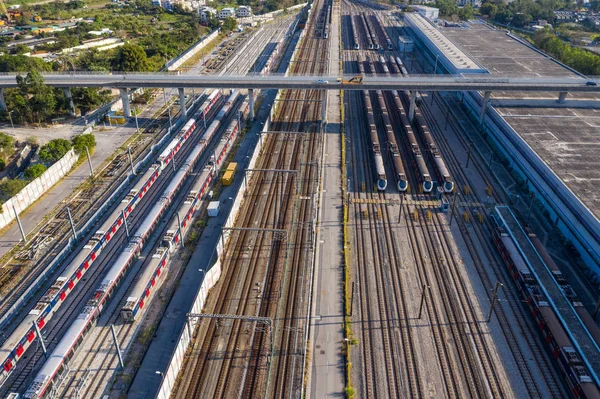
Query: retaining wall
{"points": [[193, 50], [34, 190]]}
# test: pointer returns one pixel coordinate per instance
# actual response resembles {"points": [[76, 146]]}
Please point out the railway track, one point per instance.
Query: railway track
{"points": [[466, 362], [19, 273], [19, 381], [490, 269], [263, 277], [99, 355]]}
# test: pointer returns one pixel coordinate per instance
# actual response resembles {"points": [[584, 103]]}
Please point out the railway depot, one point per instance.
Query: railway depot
{"points": [[366, 242]]}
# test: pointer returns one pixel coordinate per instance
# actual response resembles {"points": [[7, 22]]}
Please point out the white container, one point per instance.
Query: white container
{"points": [[213, 208]]}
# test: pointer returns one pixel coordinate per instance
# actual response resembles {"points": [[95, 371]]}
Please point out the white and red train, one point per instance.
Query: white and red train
{"points": [[140, 295], [559, 344], [21, 338], [377, 157], [55, 362]]}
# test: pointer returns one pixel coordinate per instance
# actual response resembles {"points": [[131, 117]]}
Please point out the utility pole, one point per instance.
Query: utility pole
{"points": [[352, 301], [180, 229], [498, 285], [39, 335], [422, 300], [131, 161], [20, 225], [530, 209], [137, 127], [453, 207], [114, 335], [400, 210], [87, 152], [125, 222], [469, 155], [72, 224]]}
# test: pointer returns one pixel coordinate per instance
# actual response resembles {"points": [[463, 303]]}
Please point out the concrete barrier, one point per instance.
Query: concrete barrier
{"points": [[34, 190], [193, 50]]}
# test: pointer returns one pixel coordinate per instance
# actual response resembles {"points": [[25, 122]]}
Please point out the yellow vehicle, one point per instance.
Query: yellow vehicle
{"points": [[352, 81], [227, 178], [232, 167]]}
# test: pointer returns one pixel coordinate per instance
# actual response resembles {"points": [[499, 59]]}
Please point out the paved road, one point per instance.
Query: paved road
{"points": [[327, 374], [424, 83]]}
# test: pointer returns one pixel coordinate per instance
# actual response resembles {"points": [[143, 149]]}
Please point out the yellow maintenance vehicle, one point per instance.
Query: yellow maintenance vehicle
{"points": [[352, 81]]}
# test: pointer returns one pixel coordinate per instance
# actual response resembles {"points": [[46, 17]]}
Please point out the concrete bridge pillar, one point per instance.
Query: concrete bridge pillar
{"points": [[3, 106], [69, 97], [486, 99], [411, 108], [125, 100], [182, 102], [562, 96], [251, 103]]}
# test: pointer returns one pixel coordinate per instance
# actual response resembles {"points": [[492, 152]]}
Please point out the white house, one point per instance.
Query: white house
{"points": [[226, 12], [244, 11]]}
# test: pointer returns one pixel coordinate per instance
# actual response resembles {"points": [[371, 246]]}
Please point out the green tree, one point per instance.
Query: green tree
{"points": [[40, 101], [35, 171], [82, 141], [10, 188], [447, 7], [21, 49], [521, 19], [489, 9], [132, 58], [229, 24], [466, 13], [2, 164], [88, 98], [6, 142], [54, 150], [211, 21]]}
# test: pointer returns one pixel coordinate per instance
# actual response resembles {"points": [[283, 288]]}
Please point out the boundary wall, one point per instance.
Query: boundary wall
{"points": [[190, 52], [34, 190]]}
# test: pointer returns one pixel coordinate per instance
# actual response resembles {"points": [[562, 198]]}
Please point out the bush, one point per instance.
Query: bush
{"points": [[10, 188], [2, 164], [6, 142], [35, 171], [82, 141], [54, 150]]}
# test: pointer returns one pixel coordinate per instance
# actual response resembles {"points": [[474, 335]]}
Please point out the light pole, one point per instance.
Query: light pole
{"points": [[170, 122], [436, 62], [530, 208], [11, 121], [137, 127]]}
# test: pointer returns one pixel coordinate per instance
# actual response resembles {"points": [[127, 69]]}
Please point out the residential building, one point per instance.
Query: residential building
{"points": [[244, 11], [226, 12]]}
